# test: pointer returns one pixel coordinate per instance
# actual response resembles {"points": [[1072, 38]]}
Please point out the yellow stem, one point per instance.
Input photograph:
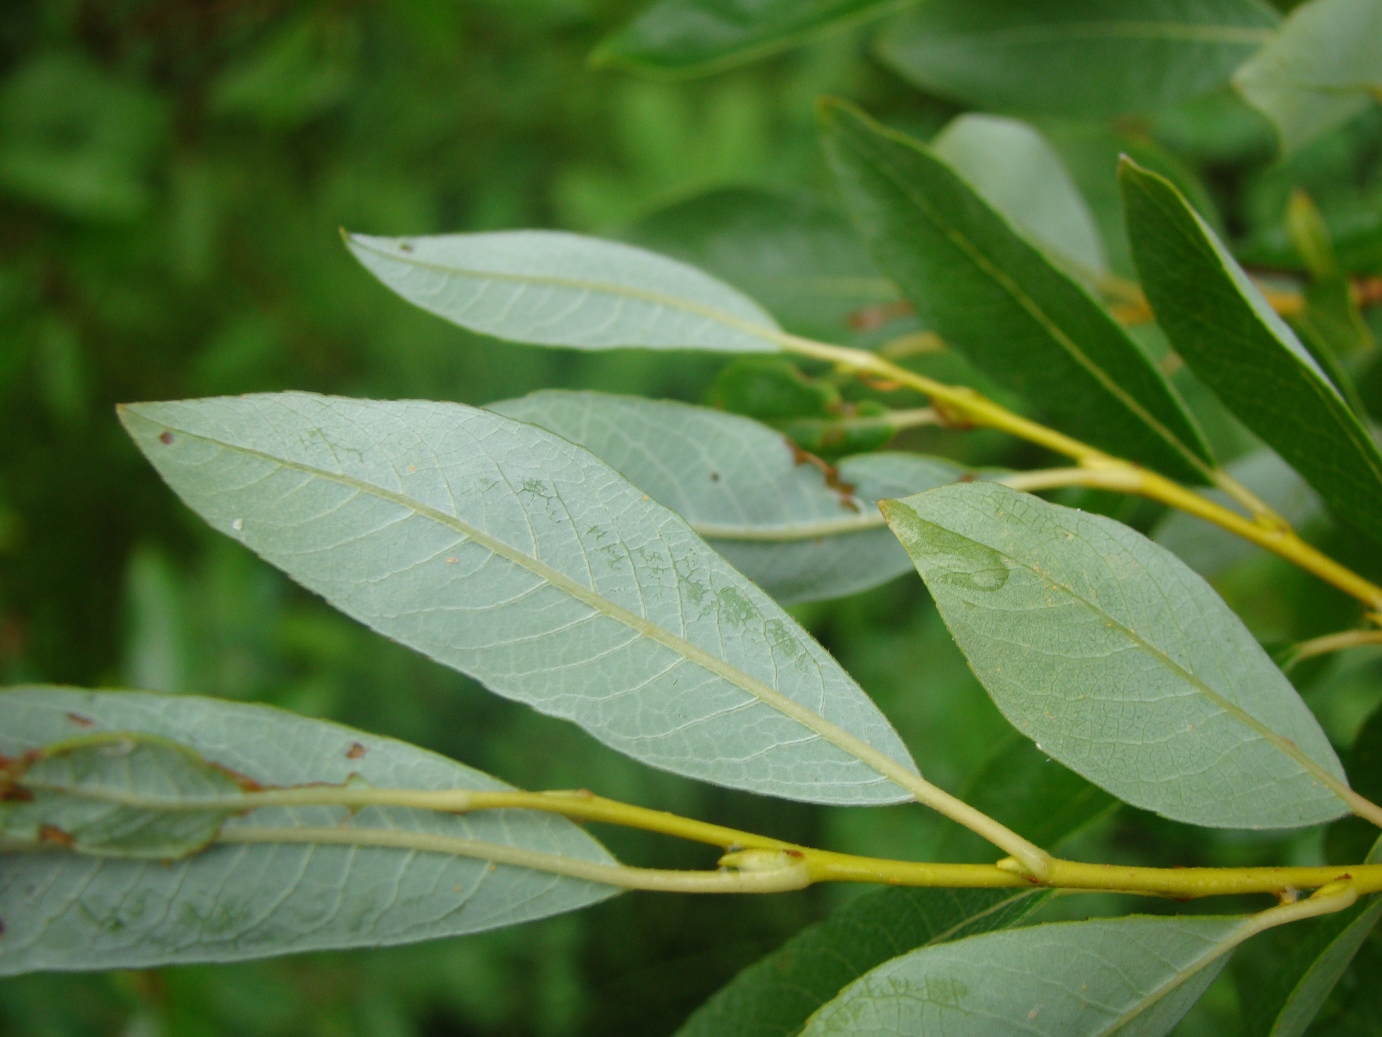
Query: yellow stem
{"points": [[1105, 471], [1332, 643]]}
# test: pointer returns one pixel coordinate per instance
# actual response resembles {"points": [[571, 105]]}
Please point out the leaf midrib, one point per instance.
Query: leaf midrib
{"points": [[884, 765], [1282, 744], [1028, 304], [1113, 29]]}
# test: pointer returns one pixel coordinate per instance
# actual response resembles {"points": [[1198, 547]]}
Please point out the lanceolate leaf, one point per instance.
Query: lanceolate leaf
{"points": [[687, 37], [1291, 998], [510, 554], [1135, 977], [1323, 68], [984, 288], [1076, 57], [796, 255], [65, 910], [1120, 662], [555, 289], [775, 996], [1226, 332], [1010, 164], [799, 532]]}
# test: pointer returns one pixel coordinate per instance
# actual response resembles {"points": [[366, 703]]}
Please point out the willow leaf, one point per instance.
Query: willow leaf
{"points": [[1119, 661], [1220, 324], [1087, 58], [983, 287], [691, 37], [512, 555], [776, 517], [1134, 977], [556, 289], [69, 910]]}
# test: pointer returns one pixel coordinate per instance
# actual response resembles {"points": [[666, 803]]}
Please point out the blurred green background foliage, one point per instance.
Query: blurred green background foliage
{"points": [[173, 174]]}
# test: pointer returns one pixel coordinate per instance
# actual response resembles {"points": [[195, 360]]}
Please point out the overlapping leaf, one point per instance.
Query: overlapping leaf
{"points": [[1019, 174], [556, 289], [687, 37], [1293, 995], [797, 256], [775, 996], [64, 910], [783, 522], [1218, 321], [1133, 976], [1322, 68], [1120, 662], [510, 554], [985, 289], [1075, 57]]}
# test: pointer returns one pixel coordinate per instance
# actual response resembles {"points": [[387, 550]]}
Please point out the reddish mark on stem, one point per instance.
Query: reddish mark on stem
{"points": [[870, 318]]}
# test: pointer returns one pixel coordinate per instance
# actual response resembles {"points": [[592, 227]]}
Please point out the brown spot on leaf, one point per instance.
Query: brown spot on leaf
{"points": [[80, 720], [403, 246], [452, 560], [54, 834], [165, 437], [872, 317], [714, 476], [355, 751]]}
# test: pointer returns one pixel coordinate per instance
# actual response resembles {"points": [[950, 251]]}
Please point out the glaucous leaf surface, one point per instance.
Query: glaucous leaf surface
{"points": [[1134, 976], [1118, 660], [1210, 549], [1291, 997], [689, 37], [68, 911], [980, 285], [510, 554], [58, 797], [1321, 69], [746, 490], [1088, 58], [1017, 172], [1038, 798], [776, 995], [796, 255], [551, 288], [1226, 332]]}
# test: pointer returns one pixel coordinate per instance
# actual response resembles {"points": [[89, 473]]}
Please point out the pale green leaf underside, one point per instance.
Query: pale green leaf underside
{"points": [[1119, 661], [741, 487], [556, 289], [1020, 175], [1086, 58], [228, 903], [1134, 977], [1323, 68], [512, 555]]}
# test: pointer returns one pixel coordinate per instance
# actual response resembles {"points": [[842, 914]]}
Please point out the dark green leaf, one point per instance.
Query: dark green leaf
{"points": [[794, 254], [1230, 337], [1291, 997], [1076, 57], [1037, 797], [984, 288], [690, 37], [775, 996], [1349, 838]]}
